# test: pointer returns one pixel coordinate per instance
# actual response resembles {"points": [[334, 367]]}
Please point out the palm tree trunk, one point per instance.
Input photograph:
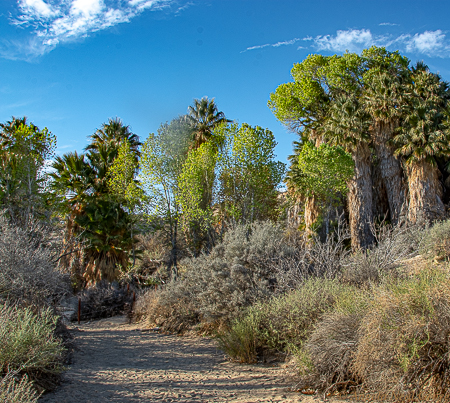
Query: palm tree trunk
{"points": [[312, 212], [424, 192], [360, 199], [391, 170], [380, 203]]}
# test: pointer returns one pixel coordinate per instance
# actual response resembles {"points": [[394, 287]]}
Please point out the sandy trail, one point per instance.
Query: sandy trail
{"points": [[117, 362]]}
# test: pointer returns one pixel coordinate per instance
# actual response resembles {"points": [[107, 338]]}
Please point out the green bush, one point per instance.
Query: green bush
{"points": [[27, 343], [283, 323]]}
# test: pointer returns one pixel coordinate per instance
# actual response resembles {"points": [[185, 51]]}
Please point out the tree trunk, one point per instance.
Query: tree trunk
{"points": [[380, 203], [312, 212], [360, 199], [424, 192], [391, 171]]}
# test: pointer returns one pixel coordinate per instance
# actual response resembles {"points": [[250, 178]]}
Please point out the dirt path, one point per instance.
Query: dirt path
{"points": [[117, 362]]}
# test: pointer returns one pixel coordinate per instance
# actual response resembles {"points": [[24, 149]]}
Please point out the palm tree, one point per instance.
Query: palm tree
{"points": [[423, 137], [204, 117], [114, 133], [348, 126], [95, 216], [384, 82]]}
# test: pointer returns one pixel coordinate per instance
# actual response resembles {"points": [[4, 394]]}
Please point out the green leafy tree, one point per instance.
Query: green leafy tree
{"points": [[249, 175], [197, 181], [323, 172], [25, 149], [162, 160]]}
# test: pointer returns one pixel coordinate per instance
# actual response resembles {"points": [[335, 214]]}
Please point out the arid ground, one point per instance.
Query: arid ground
{"points": [[118, 362]]}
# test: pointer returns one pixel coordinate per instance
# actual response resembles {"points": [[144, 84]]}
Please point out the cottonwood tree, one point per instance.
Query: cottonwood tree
{"points": [[248, 174], [161, 164]]}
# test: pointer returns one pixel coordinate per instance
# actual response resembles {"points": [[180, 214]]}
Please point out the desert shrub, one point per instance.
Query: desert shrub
{"points": [[437, 241], [215, 288], [393, 245], [104, 300], [309, 257], [29, 350], [328, 355], [28, 273], [403, 351], [281, 324], [28, 341], [14, 390]]}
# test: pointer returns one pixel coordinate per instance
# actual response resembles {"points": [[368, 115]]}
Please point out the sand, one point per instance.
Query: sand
{"points": [[119, 362]]}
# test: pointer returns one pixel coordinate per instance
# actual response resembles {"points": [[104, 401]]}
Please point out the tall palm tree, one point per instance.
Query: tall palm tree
{"points": [[423, 137], [348, 126], [384, 81], [204, 116], [94, 215], [114, 133]]}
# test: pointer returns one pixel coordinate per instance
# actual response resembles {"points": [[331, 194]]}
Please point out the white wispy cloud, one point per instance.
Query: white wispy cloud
{"points": [[53, 22], [273, 45], [430, 43], [389, 24]]}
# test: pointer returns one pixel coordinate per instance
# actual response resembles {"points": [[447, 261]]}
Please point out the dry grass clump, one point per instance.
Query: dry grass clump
{"points": [[281, 324], [14, 390], [329, 352], [404, 339], [391, 342]]}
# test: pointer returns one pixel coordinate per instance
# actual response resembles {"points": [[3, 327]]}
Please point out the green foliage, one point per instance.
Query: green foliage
{"points": [[425, 134], [121, 177], [196, 181], [248, 174], [23, 180], [323, 171]]}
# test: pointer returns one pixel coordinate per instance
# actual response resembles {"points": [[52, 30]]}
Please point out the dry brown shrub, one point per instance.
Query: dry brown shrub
{"points": [[332, 346], [331, 349], [172, 312], [394, 244], [404, 340]]}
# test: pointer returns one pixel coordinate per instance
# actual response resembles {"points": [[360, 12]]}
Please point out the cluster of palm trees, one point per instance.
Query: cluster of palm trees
{"points": [[99, 222], [392, 119], [95, 216]]}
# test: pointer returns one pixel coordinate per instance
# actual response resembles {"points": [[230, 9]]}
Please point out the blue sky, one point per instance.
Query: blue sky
{"points": [[69, 65]]}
